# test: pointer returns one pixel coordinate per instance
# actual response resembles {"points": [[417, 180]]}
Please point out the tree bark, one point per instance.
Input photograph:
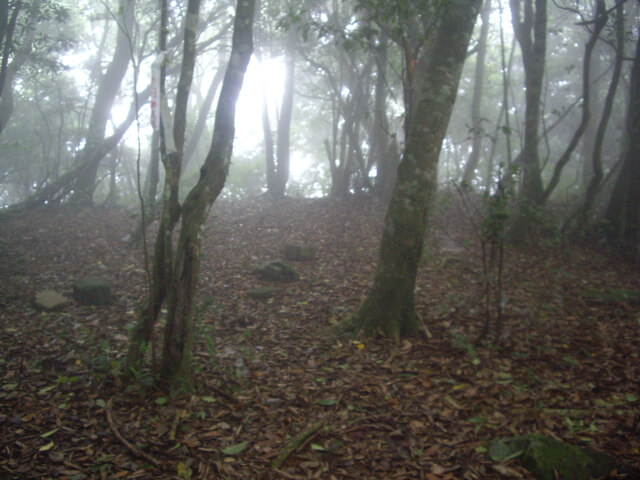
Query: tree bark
{"points": [[389, 307], [85, 184], [476, 102], [530, 28], [623, 211], [176, 360]]}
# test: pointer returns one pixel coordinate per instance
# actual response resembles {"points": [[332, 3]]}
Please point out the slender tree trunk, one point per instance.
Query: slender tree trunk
{"points": [[476, 102], [283, 146], [623, 212], [85, 184], [389, 307], [203, 114], [530, 28], [176, 360], [594, 184], [600, 21], [380, 138]]}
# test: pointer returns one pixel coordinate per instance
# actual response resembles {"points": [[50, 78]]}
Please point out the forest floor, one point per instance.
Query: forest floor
{"points": [[276, 386]]}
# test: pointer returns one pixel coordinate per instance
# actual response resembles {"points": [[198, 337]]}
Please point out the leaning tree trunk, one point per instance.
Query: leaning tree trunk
{"points": [[85, 184], [176, 359], [623, 211], [389, 307]]}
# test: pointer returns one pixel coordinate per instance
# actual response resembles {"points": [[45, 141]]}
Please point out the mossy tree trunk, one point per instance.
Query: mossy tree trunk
{"points": [[175, 368], [389, 307]]}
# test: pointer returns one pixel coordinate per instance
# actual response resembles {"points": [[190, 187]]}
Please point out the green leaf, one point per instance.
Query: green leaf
{"points": [[630, 397], [480, 449], [326, 402], [235, 449], [49, 433], [161, 400], [44, 390], [46, 447], [571, 361], [318, 448], [209, 399], [184, 471], [101, 403]]}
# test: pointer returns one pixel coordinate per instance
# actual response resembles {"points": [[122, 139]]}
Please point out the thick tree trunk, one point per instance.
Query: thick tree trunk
{"points": [[176, 360], [389, 307], [623, 211]]}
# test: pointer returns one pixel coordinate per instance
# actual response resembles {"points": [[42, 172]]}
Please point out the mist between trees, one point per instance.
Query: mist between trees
{"points": [[534, 103]]}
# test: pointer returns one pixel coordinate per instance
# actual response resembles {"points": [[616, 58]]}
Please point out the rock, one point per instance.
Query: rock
{"points": [[92, 290], [549, 459], [50, 301], [299, 253], [276, 271], [263, 293]]}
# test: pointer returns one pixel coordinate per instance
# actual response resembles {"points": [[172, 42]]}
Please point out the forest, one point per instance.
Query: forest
{"points": [[352, 239]]}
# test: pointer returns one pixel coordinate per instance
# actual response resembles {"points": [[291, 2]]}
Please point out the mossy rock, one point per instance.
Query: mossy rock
{"points": [[92, 290], [276, 271], [263, 293], [299, 253], [546, 457], [612, 296]]}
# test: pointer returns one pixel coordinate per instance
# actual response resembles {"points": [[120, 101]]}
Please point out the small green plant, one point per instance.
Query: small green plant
{"points": [[462, 342]]}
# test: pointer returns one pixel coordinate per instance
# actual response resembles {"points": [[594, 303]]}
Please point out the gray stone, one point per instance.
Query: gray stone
{"points": [[92, 290], [50, 301]]}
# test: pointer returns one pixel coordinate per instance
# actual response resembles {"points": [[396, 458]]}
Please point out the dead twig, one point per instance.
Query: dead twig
{"points": [[297, 442], [134, 450]]}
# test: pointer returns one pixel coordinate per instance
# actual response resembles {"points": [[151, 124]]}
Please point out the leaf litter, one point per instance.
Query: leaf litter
{"points": [[279, 394]]}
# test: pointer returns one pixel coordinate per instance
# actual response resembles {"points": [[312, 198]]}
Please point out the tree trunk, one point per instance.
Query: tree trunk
{"points": [[85, 184], [283, 147], [530, 29], [476, 102], [594, 184], [381, 138], [599, 22], [176, 359], [389, 307], [623, 211]]}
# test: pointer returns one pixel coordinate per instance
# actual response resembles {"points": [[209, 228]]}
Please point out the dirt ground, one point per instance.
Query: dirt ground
{"points": [[279, 394]]}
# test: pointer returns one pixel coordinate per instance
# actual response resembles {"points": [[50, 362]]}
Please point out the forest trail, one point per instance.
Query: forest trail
{"points": [[568, 366]]}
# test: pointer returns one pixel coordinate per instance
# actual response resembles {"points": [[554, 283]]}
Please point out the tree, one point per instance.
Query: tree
{"points": [[181, 270], [476, 103], [623, 211], [24, 39], [529, 18], [389, 306], [278, 158], [85, 182]]}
